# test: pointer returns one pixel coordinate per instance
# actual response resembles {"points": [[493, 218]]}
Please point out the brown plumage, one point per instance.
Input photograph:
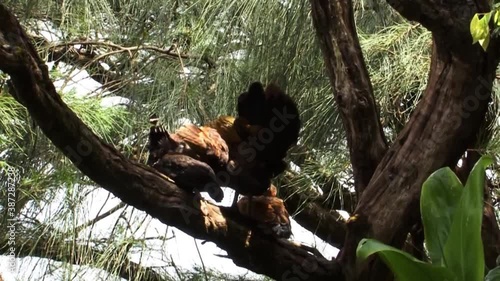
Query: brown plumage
{"points": [[201, 143], [244, 173], [233, 130], [245, 152], [224, 126], [268, 211], [272, 191], [189, 174], [189, 157]]}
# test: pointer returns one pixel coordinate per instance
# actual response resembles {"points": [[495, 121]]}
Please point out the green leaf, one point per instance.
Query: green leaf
{"points": [[496, 18], [493, 275], [484, 43], [479, 28], [403, 265], [485, 20], [441, 194], [463, 252]]}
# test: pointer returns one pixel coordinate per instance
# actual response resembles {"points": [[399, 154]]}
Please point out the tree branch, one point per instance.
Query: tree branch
{"points": [[336, 31], [99, 217], [438, 15], [136, 184], [310, 213]]}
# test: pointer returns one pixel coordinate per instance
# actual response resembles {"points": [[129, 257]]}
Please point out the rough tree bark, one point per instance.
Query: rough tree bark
{"points": [[141, 186], [442, 126], [334, 22]]}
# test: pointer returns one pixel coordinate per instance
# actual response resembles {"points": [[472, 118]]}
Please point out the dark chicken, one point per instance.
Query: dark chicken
{"points": [[267, 125], [278, 116], [246, 152], [190, 174], [244, 173], [268, 211]]}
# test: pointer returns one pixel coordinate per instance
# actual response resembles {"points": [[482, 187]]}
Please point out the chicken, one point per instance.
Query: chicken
{"points": [[268, 211], [159, 144], [201, 143], [245, 152], [278, 116], [209, 145], [189, 157], [243, 173], [233, 130], [190, 174]]}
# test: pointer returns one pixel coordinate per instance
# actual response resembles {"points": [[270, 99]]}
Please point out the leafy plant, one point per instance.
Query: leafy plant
{"points": [[480, 28], [452, 217]]}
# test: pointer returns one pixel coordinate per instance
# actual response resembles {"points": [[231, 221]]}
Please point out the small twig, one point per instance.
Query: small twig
{"points": [[222, 256], [201, 259], [179, 273], [168, 52], [100, 217], [312, 250], [309, 249]]}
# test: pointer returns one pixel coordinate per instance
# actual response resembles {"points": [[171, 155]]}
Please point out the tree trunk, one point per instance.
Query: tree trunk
{"points": [[334, 22]]}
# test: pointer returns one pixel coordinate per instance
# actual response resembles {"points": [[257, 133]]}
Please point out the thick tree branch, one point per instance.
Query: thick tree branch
{"points": [[137, 184], [334, 23], [437, 15]]}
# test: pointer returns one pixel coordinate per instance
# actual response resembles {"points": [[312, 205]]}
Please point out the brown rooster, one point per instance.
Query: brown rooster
{"points": [[268, 211], [201, 143], [186, 157], [245, 152]]}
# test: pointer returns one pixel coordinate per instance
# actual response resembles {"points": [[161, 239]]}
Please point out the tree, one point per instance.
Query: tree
{"points": [[387, 179]]}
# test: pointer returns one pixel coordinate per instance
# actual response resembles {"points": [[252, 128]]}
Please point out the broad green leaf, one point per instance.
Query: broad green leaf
{"points": [[484, 43], [403, 265], [464, 249], [493, 275], [440, 196], [478, 29], [485, 20]]}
